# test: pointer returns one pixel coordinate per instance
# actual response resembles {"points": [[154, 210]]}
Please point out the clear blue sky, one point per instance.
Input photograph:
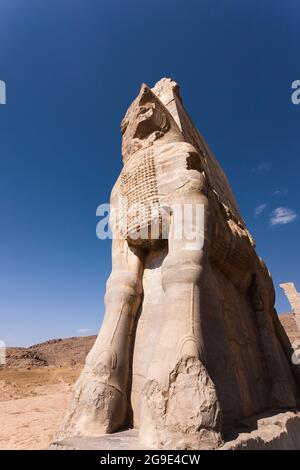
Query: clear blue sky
{"points": [[71, 68]]}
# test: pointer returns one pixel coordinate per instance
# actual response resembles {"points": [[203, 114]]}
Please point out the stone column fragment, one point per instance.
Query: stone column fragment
{"points": [[294, 298]]}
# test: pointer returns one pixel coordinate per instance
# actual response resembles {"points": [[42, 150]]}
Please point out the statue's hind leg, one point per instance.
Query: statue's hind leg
{"points": [[179, 403], [99, 403]]}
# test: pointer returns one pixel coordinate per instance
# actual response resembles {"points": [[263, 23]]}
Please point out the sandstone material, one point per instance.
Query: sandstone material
{"points": [[277, 432], [55, 352], [191, 342], [294, 299]]}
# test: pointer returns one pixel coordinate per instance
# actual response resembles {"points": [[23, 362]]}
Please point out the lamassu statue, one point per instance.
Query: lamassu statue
{"points": [[190, 341]]}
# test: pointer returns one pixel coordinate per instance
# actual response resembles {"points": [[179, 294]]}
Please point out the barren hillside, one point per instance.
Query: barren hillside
{"points": [[55, 352]]}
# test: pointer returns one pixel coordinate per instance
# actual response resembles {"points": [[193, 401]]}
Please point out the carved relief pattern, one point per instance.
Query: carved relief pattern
{"points": [[139, 191]]}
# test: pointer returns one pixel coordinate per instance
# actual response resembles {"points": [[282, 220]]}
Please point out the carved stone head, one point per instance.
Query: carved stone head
{"points": [[146, 120]]}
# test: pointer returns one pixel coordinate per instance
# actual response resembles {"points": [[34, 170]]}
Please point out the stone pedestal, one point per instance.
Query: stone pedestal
{"points": [[276, 432]]}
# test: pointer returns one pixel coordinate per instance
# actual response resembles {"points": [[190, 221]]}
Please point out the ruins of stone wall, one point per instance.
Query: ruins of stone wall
{"points": [[294, 299]]}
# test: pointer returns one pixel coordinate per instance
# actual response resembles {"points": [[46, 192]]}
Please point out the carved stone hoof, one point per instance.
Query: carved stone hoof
{"points": [[188, 347], [96, 408], [186, 415]]}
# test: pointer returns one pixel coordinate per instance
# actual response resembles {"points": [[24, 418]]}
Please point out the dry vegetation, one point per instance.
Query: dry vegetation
{"points": [[24, 383]]}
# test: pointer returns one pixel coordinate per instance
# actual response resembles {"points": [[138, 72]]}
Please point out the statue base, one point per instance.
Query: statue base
{"points": [[272, 431]]}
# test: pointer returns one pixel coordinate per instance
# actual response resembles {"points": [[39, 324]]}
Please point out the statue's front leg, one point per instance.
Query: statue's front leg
{"points": [[179, 404], [99, 402]]}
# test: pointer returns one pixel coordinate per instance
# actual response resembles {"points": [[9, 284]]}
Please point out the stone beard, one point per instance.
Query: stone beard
{"points": [[190, 343]]}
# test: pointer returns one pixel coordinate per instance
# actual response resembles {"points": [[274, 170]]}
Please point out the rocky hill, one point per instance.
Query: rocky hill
{"points": [[55, 352]]}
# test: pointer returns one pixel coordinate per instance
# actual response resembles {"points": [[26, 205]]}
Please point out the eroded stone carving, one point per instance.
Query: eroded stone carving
{"points": [[190, 342], [294, 299]]}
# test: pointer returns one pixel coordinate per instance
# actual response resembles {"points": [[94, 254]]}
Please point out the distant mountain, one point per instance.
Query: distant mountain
{"points": [[55, 352], [73, 351]]}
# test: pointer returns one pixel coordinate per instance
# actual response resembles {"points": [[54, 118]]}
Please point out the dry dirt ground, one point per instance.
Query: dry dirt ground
{"points": [[35, 387], [32, 403]]}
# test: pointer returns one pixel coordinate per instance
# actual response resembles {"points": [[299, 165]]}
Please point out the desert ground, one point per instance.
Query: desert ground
{"points": [[32, 405], [35, 386]]}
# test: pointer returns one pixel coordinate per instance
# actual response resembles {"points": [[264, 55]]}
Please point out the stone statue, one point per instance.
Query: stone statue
{"points": [[190, 343]]}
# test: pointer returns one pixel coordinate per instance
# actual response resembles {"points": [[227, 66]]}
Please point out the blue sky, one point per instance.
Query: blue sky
{"points": [[71, 69]]}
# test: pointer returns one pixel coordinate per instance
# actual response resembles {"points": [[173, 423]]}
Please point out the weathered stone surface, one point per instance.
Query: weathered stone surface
{"points": [[190, 342], [124, 440], [277, 432], [294, 299], [289, 324]]}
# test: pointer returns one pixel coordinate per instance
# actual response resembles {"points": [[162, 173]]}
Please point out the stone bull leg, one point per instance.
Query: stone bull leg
{"points": [[180, 409], [99, 403]]}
